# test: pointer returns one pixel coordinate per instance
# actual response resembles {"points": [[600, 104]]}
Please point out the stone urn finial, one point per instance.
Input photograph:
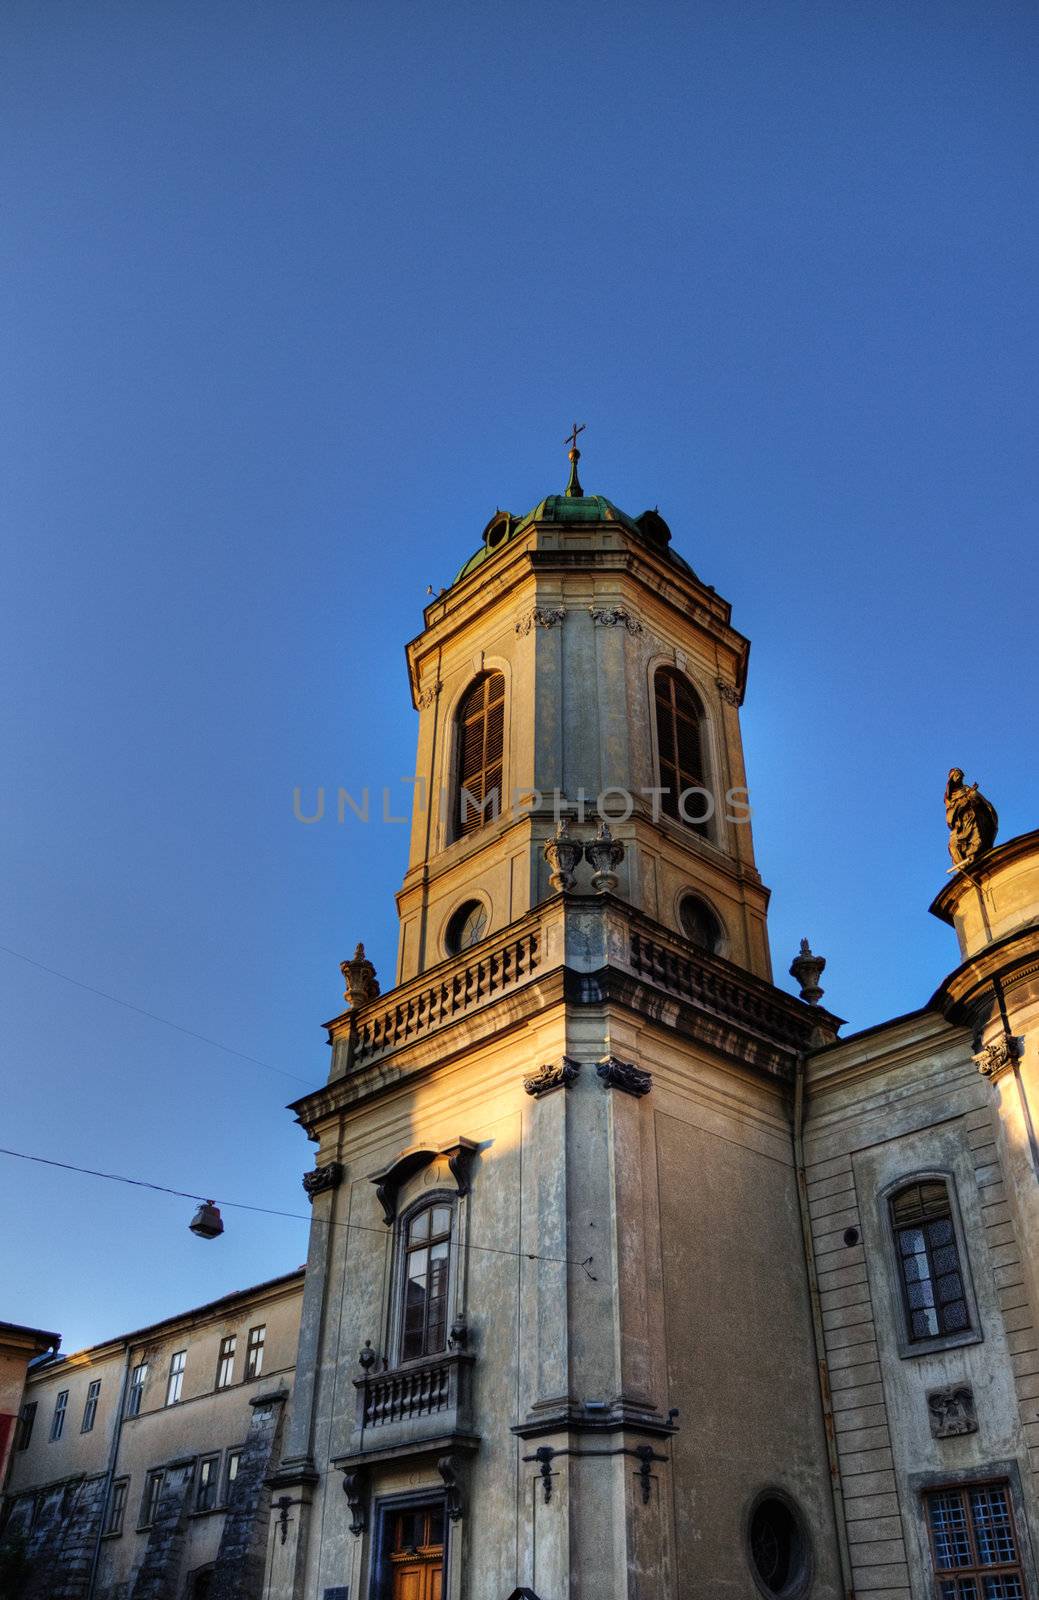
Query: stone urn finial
{"points": [[361, 982], [971, 819], [603, 853], [562, 854], [807, 969]]}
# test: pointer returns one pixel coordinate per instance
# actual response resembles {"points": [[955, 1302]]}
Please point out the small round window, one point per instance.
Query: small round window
{"points": [[467, 927], [700, 925], [778, 1548]]}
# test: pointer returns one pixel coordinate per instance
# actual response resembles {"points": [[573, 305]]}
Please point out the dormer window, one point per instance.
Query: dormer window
{"points": [[481, 744], [680, 750]]}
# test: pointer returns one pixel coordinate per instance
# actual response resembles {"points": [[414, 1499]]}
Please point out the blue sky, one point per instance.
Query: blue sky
{"points": [[296, 295]]}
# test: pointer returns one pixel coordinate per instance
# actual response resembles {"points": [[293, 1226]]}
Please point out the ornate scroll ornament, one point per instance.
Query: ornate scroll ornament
{"points": [[999, 1056], [727, 692], [952, 1411], [540, 617], [604, 853], [451, 1470], [361, 982], [615, 616], [459, 1157], [329, 1176], [553, 1075], [624, 1075], [562, 854], [429, 694], [355, 1487]]}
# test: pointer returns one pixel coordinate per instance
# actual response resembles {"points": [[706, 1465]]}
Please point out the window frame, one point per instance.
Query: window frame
{"points": [[175, 1377], [908, 1346], [115, 1507], [226, 1355], [156, 1477], [962, 1488], [423, 1202], [26, 1423], [254, 1352], [212, 1483], [688, 895], [90, 1406], [227, 1481], [135, 1389], [59, 1416], [456, 833], [709, 828]]}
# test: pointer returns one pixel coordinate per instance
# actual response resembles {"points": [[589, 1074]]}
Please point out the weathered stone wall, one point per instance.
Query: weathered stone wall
{"points": [[238, 1574], [158, 1576], [59, 1550]]}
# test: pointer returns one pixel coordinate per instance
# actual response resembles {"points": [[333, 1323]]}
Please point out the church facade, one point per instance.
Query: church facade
{"points": [[628, 1278]]}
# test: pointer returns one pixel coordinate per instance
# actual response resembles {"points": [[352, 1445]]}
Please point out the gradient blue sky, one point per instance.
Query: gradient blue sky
{"points": [[295, 295]]}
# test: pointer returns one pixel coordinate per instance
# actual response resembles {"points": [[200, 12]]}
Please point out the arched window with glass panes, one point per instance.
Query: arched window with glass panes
{"points": [[681, 755], [426, 1236], [934, 1291], [481, 749]]}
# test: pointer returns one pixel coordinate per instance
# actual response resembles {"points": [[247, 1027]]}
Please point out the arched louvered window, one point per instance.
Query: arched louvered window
{"points": [[481, 741], [933, 1288], [680, 748]]}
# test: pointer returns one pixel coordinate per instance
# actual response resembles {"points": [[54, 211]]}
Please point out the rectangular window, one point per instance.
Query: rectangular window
{"points": [[254, 1352], [175, 1381], [225, 1363], [117, 1506], [58, 1420], [151, 1498], [26, 1418], [138, 1378], [234, 1461], [974, 1544], [206, 1482], [929, 1261], [90, 1409]]}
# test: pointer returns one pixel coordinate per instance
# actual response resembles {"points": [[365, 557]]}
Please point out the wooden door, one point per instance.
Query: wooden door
{"points": [[417, 1554]]}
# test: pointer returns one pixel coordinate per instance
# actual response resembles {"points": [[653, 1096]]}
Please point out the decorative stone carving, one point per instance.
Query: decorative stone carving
{"points": [[459, 1157], [727, 692], [553, 1075], [952, 1411], [429, 694], [614, 617], [604, 853], [458, 1338], [999, 1056], [355, 1487], [972, 820], [807, 969], [450, 1469], [540, 617], [624, 1075], [329, 1176], [361, 982], [562, 854], [367, 1357]]}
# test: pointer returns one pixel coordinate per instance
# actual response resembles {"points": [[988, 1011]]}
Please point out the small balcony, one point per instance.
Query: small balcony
{"points": [[415, 1406]]}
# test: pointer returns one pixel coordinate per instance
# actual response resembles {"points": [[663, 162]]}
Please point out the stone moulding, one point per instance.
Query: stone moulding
{"points": [[999, 1056], [459, 1158], [616, 616], [553, 1075], [328, 1176], [624, 1075]]}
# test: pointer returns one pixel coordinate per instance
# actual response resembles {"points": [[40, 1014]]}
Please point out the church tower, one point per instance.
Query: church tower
{"points": [[557, 1338]]}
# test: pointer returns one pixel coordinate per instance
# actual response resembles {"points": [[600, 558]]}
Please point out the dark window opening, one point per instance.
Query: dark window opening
{"points": [[467, 927], [680, 750], [700, 925], [929, 1261], [778, 1548], [427, 1263], [481, 745]]}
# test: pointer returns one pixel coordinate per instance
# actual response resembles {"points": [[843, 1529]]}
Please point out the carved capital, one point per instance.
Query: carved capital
{"points": [[553, 1075], [624, 1075], [999, 1056], [615, 617], [727, 692], [429, 694], [540, 617], [329, 1176]]}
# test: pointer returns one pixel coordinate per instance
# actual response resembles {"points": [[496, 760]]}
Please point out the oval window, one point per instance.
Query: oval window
{"points": [[467, 927], [700, 925], [778, 1548]]}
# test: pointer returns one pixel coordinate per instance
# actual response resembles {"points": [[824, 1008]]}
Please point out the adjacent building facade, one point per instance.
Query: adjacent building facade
{"points": [[139, 1466]]}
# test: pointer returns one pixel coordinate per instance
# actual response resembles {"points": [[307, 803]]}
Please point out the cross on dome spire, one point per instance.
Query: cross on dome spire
{"points": [[573, 488]]}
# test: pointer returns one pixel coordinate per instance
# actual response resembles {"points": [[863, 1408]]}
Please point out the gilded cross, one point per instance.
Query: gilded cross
{"points": [[572, 440]]}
